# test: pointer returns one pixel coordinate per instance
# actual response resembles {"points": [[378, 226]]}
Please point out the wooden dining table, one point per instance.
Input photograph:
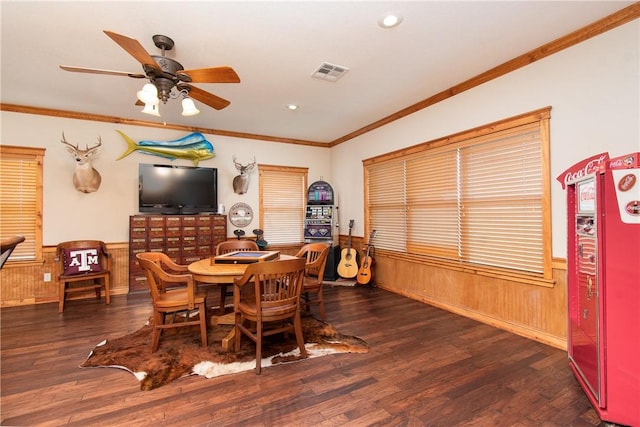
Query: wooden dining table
{"points": [[207, 272]]}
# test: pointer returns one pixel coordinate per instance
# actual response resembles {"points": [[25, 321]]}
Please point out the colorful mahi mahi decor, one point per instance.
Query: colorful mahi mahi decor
{"points": [[194, 147]]}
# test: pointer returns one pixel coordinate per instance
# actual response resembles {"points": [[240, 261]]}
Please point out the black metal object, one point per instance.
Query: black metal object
{"points": [[262, 244], [331, 267]]}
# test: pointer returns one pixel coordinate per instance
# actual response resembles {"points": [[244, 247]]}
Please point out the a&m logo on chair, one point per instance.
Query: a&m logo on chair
{"points": [[82, 261]]}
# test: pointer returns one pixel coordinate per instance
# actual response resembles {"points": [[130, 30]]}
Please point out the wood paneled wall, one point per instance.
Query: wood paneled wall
{"points": [[533, 311], [536, 312], [24, 284]]}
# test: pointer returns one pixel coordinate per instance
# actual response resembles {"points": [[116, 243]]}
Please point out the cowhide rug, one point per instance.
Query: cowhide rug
{"points": [[181, 354]]}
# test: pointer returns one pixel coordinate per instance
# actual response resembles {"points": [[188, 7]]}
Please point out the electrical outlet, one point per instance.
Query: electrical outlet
{"points": [[47, 277]]}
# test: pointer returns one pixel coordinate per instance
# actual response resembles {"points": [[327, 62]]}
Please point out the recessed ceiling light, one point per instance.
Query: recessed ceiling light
{"points": [[390, 20], [292, 107]]}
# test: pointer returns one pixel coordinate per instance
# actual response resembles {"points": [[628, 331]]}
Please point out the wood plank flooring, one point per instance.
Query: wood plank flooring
{"points": [[426, 367]]}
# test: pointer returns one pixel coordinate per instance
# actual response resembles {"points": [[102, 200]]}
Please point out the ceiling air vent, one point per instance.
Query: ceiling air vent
{"points": [[329, 72]]}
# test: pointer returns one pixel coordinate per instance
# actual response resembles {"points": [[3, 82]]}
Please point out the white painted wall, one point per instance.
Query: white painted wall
{"points": [[104, 215], [593, 89]]}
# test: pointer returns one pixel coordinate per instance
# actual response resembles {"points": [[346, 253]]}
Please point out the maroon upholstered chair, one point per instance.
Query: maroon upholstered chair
{"points": [[86, 262]]}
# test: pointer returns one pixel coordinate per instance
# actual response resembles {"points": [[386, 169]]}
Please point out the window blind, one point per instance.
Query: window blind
{"points": [[21, 199], [386, 203], [282, 203], [479, 200], [433, 212], [501, 201]]}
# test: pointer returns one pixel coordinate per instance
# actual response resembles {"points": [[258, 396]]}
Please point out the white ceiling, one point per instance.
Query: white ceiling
{"points": [[274, 46]]}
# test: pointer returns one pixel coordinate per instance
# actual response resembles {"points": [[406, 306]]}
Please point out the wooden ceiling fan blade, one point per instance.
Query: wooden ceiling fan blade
{"points": [[223, 74], [205, 97], [100, 71], [135, 49]]}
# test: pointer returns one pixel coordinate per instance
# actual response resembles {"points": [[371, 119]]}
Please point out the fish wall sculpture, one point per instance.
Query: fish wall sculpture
{"points": [[193, 147]]}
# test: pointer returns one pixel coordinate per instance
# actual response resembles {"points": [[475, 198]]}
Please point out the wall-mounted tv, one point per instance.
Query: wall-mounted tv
{"points": [[171, 189]]}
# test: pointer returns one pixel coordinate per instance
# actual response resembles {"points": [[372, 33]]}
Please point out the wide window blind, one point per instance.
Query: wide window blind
{"points": [[21, 199], [501, 200], [282, 203], [480, 200]]}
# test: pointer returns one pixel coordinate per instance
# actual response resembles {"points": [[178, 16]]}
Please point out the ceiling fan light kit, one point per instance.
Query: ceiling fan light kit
{"points": [[189, 107], [167, 78], [149, 94], [152, 109]]}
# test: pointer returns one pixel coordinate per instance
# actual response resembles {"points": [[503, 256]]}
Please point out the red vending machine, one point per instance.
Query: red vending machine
{"points": [[603, 267]]}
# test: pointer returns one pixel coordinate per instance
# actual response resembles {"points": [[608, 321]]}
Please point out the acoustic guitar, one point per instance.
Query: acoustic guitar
{"points": [[365, 274], [348, 265]]}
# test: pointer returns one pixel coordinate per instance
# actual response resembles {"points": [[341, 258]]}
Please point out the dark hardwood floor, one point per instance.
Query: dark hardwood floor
{"points": [[426, 367]]}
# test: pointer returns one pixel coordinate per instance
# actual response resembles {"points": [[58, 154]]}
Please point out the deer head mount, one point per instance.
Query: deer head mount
{"points": [[86, 179], [241, 182]]}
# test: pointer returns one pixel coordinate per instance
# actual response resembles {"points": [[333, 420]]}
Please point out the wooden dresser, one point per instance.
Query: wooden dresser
{"points": [[185, 238]]}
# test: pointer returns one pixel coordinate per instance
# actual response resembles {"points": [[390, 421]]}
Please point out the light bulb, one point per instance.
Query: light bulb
{"points": [[148, 94], [153, 109], [189, 107]]}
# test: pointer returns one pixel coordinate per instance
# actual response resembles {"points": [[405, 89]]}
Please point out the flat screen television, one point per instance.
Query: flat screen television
{"points": [[171, 189]]}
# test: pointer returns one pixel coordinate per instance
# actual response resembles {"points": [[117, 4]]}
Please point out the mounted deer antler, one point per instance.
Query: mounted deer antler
{"points": [[241, 182], [86, 179]]}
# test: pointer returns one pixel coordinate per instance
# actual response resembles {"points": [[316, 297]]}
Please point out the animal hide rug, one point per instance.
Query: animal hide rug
{"points": [[181, 354]]}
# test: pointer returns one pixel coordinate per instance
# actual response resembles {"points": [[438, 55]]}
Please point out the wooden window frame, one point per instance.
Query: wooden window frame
{"points": [[13, 219], [401, 193]]}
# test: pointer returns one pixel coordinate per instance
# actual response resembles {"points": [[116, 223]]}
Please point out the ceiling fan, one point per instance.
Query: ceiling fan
{"points": [[165, 73]]}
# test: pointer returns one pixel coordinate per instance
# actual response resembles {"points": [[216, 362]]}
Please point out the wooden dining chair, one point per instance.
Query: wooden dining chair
{"points": [[232, 246], [165, 262], [84, 261], [315, 255], [170, 300], [267, 296]]}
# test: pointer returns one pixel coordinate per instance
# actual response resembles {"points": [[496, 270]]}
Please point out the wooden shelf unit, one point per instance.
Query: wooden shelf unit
{"points": [[184, 238]]}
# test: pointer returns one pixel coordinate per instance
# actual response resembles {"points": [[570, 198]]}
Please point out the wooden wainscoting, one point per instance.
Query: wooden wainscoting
{"points": [[530, 310], [23, 283], [533, 311]]}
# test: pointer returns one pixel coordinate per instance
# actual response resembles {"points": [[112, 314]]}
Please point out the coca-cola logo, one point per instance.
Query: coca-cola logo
{"points": [[589, 167], [627, 182], [633, 208], [626, 162], [587, 193]]}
